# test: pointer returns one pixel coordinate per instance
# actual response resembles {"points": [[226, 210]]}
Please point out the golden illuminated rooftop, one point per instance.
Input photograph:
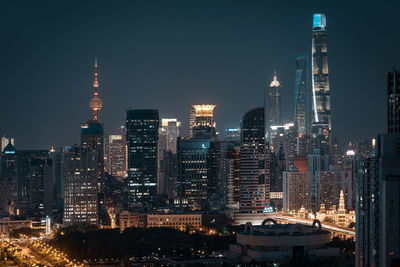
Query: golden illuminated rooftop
{"points": [[275, 82], [204, 110]]}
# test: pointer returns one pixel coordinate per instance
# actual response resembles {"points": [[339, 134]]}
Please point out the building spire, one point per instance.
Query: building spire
{"points": [[275, 82], [96, 104]]}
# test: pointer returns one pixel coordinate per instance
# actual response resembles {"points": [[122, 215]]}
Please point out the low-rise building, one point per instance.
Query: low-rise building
{"points": [[132, 219], [280, 243], [147, 220], [6, 225], [177, 221]]}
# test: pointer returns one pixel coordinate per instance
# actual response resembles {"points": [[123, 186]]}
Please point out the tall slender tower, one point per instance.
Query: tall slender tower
{"points": [[273, 103], [92, 133], [320, 84], [96, 104]]}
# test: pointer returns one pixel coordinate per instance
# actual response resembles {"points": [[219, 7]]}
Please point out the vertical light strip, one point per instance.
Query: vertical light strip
{"points": [[312, 80]]}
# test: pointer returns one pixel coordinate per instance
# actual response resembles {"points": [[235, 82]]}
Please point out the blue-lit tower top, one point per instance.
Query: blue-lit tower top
{"points": [[319, 22]]}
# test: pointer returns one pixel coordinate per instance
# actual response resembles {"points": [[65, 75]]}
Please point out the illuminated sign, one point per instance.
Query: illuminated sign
{"points": [[268, 209], [9, 152]]}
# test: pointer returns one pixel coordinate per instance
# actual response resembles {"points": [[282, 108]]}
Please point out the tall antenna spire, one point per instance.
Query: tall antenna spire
{"points": [[96, 104]]}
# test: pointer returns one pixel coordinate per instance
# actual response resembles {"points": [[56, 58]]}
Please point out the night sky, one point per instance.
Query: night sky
{"points": [[168, 55]]}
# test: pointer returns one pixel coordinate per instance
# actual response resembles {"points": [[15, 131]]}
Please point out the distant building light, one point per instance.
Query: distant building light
{"points": [[268, 209]]}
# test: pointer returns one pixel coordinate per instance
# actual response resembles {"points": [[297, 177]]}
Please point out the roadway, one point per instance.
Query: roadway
{"points": [[331, 228], [23, 245]]}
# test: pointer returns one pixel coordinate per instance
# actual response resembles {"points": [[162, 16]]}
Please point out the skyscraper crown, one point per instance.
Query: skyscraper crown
{"points": [[319, 22]]}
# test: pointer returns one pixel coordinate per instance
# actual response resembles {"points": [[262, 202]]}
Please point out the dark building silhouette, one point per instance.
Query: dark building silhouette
{"points": [[142, 141], [197, 173], [302, 94], [378, 202], [34, 183], [254, 163], [8, 180], [393, 102]]}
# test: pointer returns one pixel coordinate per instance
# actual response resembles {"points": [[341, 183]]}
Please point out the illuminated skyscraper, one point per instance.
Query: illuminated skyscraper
{"points": [[192, 120], [320, 73], [168, 134], [142, 139], [254, 163], [167, 139], [92, 133], [321, 119], [273, 103], [302, 95], [80, 186], [204, 123], [5, 141], [117, 155], [197, 172]]}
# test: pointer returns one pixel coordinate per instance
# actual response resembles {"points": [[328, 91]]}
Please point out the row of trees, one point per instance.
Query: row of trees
{"points": [[91, 244]]}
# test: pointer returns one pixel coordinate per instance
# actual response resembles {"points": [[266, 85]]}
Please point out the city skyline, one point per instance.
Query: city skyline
{"points": [[182, 64]]}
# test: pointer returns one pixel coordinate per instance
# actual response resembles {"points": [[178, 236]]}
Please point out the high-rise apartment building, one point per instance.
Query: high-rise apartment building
{"points": [[142, 140], [229, 173], [273, 103], [254, 163], [327, 185], [296, 191], [80, 186]]}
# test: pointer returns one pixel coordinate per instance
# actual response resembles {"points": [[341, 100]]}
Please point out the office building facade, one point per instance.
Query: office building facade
{"points": [[80, 186], [254, 163], [142, 141]]}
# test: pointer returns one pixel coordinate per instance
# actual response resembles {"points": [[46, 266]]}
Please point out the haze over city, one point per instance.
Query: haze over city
{"points": [[170, 55]]}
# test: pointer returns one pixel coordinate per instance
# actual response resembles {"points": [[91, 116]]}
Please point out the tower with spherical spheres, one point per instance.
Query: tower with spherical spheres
{"points": [[96, 104], [92, 133]]}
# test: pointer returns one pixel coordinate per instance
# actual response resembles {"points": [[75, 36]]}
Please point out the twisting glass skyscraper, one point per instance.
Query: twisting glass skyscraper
{"points": [[301, 95]]}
